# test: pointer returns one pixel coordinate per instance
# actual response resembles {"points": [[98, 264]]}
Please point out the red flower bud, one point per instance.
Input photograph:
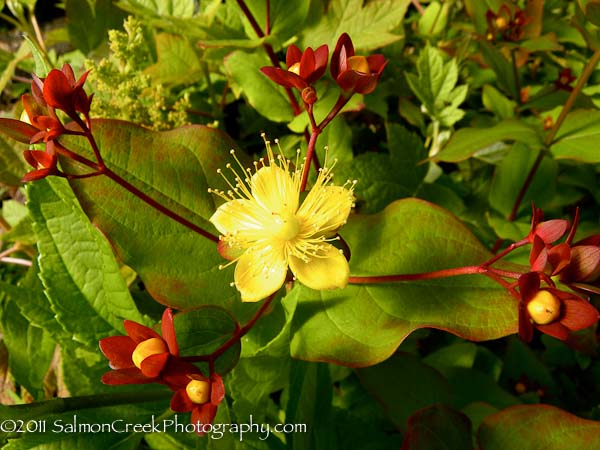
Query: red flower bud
{"points": [[355, 73]]}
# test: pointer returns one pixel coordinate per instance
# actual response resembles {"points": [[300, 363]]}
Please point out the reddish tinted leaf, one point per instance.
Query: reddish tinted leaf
{"points": [[536, 427], [17, 130], [438, 427]]}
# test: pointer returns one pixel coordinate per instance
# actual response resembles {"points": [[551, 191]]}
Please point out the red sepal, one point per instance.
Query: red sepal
{"points": [[118, 350], [126, 376], [152, 365], [204, 414], [168, 332], [180, 402], [139, 333]]}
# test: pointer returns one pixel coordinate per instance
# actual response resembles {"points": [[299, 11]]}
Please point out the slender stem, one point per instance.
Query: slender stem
{"points": [[18, 261], [156, 205], [310, 150], [444, 273], [419, 7], [341, 102], [505, 252], [10, 20], [60, 405], [37, 31], [237, 335], [587, 72], [516, 76], [270, 53]]}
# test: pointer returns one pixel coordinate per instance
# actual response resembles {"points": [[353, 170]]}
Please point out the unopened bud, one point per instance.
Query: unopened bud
{"points": [[309, 95], [544, 308], [149, 347], [198, 391]]}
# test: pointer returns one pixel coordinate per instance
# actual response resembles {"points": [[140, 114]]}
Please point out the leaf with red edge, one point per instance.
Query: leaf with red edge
{"points": [[534, 427], [364, 324], [438, 427], [179, 267], [17, 130]]}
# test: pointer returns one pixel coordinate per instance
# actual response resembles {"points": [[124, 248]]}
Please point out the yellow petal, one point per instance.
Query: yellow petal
{"points": [[275, 190], [325, 209], [260, 272], [328, 272], [244, 218]]}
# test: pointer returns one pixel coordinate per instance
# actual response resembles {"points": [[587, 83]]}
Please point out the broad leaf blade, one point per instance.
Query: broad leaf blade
{"points": [[179, 267], [362, 325], [532, 427], [578, 136]]}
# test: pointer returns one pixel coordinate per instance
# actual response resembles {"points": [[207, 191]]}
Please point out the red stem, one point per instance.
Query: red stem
{"points": [[467, 270]]}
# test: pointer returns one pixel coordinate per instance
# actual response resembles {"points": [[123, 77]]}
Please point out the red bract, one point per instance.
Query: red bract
{"points": [[61, 90], [42, 118], [304, 68], [565, 78], [201, 396], [44, 163], [352, 72], [143, 355], [550, 310]]}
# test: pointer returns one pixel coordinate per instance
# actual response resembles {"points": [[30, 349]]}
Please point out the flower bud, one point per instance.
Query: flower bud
{"points": [[198, 391], [544, 308], [149, 347], [309, 95]]}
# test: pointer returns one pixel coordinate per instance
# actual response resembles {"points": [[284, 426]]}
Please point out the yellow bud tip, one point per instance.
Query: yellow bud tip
{"points": [[359, 64], [295, 68], [198, 391], [544, 308], [501, 23], [149, 347]]}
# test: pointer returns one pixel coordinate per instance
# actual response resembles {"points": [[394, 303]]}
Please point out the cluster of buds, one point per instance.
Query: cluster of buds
{"points": [[144, 356], [508, 24], [576, 265], [353, 73], [58, 91]]}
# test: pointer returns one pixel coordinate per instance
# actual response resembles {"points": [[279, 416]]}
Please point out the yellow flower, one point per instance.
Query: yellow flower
{"points": [[266, 228]]}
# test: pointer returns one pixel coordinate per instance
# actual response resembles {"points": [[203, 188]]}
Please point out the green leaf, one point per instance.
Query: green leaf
{"points": [[287, 18], [403, 384], [466, 142], [510, 175], [435, 86], [88, 22], [78, 269], [268, 98], [178, 63], [11, 166], [383, 178], [502, 67], [577, 136], [371, 24], [174, 8], [179, 267], [203, 330], [30, 349], [309, 403], [435, 19], [532, 427], [438, 427], [496, 102], [364, 324]]}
